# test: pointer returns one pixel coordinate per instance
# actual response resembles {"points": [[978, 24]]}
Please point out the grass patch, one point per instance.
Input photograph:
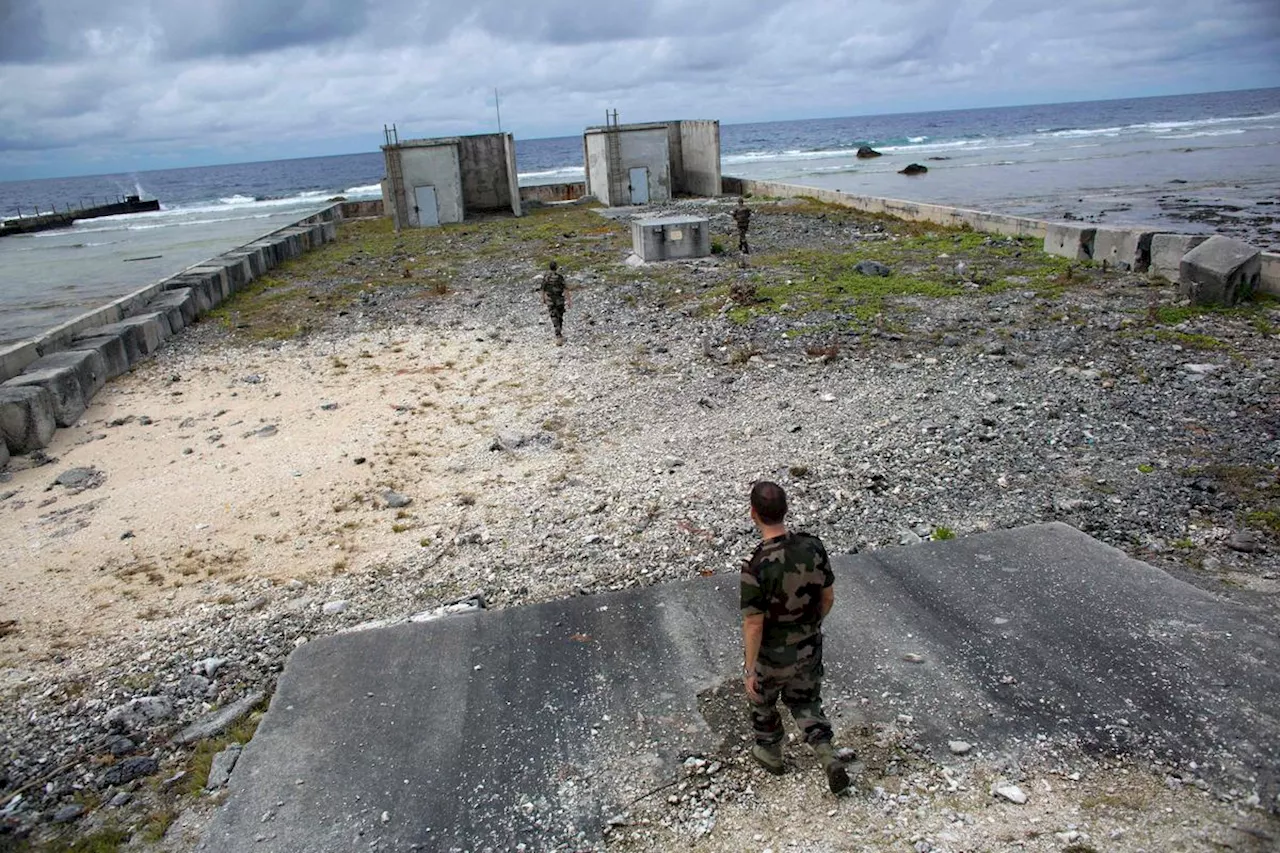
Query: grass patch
{"points": [[106, 840], [942, 534], [1189, 340], [201, 759], [1267, 520]]}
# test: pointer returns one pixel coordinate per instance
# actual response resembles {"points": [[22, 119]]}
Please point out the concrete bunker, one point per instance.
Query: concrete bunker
{"points": [[431, 182], [653, 162]]}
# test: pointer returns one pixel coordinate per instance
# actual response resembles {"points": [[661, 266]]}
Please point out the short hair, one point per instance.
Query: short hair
{"points": [[552, 265], [769, 501]]}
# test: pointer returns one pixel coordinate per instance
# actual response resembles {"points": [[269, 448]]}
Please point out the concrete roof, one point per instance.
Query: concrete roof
{"points": [[439, 140], [533, 724]]}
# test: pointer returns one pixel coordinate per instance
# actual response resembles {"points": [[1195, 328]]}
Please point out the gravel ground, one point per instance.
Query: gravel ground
{"points": [[1024, 393]]}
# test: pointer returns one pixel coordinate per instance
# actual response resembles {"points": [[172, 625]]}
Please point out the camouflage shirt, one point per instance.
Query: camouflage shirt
{"points": [[742, 216], [553, 286], [784, 580]]}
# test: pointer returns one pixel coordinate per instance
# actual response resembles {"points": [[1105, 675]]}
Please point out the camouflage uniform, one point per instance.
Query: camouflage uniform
{"points": [[784, 580], [742, 216], [553, 293]]}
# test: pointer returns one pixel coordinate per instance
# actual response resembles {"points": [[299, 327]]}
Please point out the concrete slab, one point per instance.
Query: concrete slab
{"points": [[1069, 241], [4, 455], [88, 365], [1220, 271], [531, 725], [26, 418], [669, 237], [1167, 251], [110, 348], [63, 385]]}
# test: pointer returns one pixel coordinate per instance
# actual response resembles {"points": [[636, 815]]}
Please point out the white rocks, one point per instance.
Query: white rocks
{"points": [[1012, 793], [333, 608], [959, 747]]}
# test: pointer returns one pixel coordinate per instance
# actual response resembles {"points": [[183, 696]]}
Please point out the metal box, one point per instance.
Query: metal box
{"points": [[670, 237]]}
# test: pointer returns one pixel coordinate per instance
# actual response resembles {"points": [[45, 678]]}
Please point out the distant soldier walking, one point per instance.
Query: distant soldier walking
{"points": [[786, 591], [742, 217], [554, 298]]}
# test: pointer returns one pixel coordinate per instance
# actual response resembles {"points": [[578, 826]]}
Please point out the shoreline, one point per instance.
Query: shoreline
{"points": [[535, 472]]}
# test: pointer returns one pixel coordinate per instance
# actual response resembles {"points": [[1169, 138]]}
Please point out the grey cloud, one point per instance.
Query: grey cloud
{"points": [[22, 32], [246, 27]]}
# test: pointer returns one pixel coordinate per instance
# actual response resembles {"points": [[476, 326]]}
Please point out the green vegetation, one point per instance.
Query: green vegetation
{"points": [[1144, 468], [1267, 520], [108, 840], [201, 760], [942, 534]]}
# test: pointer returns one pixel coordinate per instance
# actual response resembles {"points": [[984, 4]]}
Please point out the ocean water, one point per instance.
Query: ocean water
{"points": [[1191, 163]]}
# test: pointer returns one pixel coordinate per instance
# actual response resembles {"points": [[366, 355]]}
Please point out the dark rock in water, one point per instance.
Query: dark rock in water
{"points": [[866, 152], [939, 158], [914, 169], [128, 770], [872, 268]]}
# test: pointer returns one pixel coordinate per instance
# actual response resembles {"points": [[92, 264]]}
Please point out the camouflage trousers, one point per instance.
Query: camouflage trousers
{"points": [[556, 307], [794, 674], [742, 242]]}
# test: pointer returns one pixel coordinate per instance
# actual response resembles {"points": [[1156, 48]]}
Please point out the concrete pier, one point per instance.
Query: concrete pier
{"points": [[47, 382]]}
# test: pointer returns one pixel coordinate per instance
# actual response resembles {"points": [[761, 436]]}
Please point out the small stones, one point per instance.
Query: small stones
{"points": [[128, 770], [333, 608], [395, 500], [81, 478], [1244, 541], [912, 657], [68, 813], [959, 747], [872, 268]]}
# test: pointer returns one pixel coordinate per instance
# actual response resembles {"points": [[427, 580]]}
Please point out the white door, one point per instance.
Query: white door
{"points": [[640, 185], [424, 206]]}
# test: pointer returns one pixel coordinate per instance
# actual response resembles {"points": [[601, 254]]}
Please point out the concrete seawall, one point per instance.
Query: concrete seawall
{"points": [[978, 220], [48, 381]]}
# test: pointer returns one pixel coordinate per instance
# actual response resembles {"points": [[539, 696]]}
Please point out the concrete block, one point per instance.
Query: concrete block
{"points": [[217, 279], [1069, 241], [15, 357], [142, 335], [329, 232], [4, 454], [63, 385], [1220, 271], [89, 366], [668, 237], [257, 263], [26, 418], [268, 250], [203, 294], [1167, 251], [239, 274], [111, 349], [178, 305], [1123, 248]]}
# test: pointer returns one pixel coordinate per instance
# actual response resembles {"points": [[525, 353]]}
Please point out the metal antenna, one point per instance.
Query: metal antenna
{"points": [[497, 106]]}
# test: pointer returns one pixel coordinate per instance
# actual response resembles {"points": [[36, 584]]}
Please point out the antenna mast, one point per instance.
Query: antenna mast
{"points": [[497, 106]]}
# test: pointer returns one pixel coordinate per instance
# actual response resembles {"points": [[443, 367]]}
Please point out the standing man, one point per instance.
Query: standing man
{"points": [[553, 297], [787, 590], [742, 216]]}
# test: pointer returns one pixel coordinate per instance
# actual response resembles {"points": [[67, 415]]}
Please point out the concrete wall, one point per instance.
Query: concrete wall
{"points": [[700, 157], [431, 163], [486, 182], [554, 192], [513, 177], [597, 165], [914, 211], [133, 326], [675, 155], [990, 223]]}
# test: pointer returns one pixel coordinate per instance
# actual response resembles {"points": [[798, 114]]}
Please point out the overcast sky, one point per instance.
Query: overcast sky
{"points": [[91, 86]]}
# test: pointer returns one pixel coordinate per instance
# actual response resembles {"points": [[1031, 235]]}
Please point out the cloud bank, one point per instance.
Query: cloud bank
{"points": [[88, 86]]}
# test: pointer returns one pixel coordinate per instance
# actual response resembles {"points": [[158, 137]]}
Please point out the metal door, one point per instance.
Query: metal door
{"points": [[640, 185], [424, 206]]}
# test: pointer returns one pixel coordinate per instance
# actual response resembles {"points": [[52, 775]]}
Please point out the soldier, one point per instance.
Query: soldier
{"points": [[787, 590], [742, 216], [553, 297]]}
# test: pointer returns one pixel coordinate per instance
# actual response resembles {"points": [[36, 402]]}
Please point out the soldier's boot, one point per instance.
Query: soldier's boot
{"points": [[837, 775], [769, 756]]}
